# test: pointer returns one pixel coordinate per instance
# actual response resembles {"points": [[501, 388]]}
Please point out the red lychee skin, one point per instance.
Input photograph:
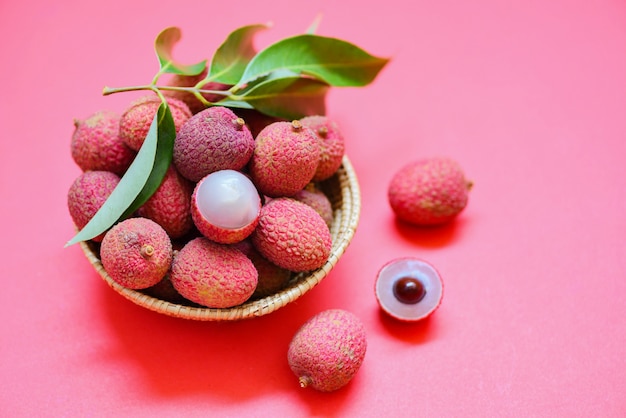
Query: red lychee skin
{"points": [[213, 275], [87, 194], [136, 253], [315, 198], [170, 205], [328, 350], [213, 139], [271, 277], [332, 145], [285, 158], [430, 191], [96, 144], [292, 235], [217, 233], [136, 120], [190, 99]]}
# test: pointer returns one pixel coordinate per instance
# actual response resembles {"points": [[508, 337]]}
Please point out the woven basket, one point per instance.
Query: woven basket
{"points": [[343, 192]]}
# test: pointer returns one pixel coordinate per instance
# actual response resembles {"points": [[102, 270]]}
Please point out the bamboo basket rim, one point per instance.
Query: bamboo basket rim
{"points": [[346, 200]]}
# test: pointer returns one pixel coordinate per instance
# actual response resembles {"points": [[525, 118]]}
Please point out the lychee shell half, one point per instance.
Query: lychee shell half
{"points": [[213, 275], [328, 350], [430, 191], [136, 253], [292, 235]]}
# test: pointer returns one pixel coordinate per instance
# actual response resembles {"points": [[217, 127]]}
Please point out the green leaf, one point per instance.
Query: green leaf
{"points": [[232, 57], [163, 46], [337, 62], [140, 181], [288, 97]]}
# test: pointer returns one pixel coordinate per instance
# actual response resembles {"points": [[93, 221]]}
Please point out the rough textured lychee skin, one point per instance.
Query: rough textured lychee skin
{"points": [[328, 350], [136, 120], [87, 194], [332, 145], [430, 191], [213, 139], [164, 290], [292, 235], [285, 158], [170, 205], [213, 275], [315, 198], [136, 253], [190, 99], [96, 144], [272, 278]]}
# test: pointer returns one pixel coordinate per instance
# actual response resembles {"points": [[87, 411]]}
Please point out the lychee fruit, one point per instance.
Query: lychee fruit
{"points": [[136, 253], [285, 158], [430, 191], [225, 206], [213, 275], [96, 144], [292, 235], [332, 145], [213, 139], [136, 120], [272, 278], [189, 98], [328, 350], [317, 199], [170, 204], [408, 289], [256, 120], [87, 194], [164, 290]]}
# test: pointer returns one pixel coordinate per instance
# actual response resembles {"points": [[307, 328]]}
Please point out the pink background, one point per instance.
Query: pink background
{"points": [[528, 96]]}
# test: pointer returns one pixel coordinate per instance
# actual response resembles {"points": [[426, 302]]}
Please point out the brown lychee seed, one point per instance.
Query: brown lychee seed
{"points": [[96, 144], [328, 350], [272, 278], [87, 194], [314, 197], [225, 206], [194, 104], [213, 275], [430, 191], [292, 235], [170, 204], [332, 145], [286, 155], [212, 140], [136, 120], [409, 289], [136, 253]]}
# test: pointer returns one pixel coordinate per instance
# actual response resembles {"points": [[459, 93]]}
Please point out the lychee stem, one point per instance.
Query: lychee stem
{"points": [[239, 123], [304, 381], [147, 251], [322, 131], [296, 125]]}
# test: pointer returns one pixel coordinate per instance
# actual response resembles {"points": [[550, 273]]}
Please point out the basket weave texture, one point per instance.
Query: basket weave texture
{"points": [[343, 192]]}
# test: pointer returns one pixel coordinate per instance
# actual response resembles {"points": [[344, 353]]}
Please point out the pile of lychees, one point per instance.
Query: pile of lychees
{"points": [[239, 210]]}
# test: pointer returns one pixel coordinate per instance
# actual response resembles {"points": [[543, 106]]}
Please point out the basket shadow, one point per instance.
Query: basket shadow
{"points": [[234, 360]]}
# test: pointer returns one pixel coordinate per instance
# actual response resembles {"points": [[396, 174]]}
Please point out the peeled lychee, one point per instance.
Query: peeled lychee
{"points": [[430, 191], [136, 253], [332, 145], [136, 120], [213, 275], [285, 158], [213, 139], [189, 98], [292, 235], [328, 350], [315, 198], [87, 194], [96, 144], [170, 204], [225, 206]]}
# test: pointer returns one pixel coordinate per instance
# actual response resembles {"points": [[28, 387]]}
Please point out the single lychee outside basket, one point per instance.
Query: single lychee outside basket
{"points": [[343, 192]]}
